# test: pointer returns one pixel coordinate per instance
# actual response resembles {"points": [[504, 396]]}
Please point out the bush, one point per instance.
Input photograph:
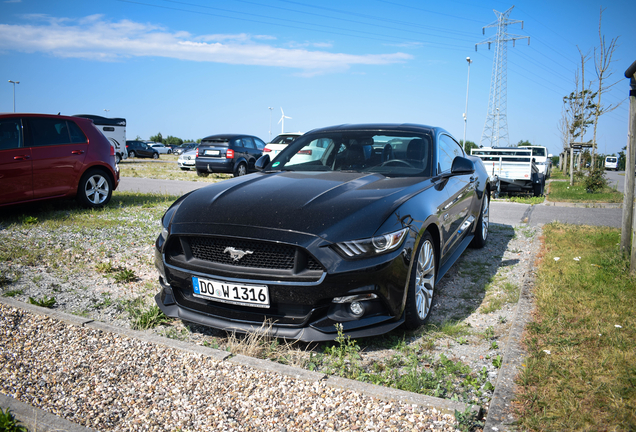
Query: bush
{"points": [[595, 180]]}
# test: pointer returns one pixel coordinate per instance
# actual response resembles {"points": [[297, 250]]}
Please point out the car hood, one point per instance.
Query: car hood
{"points": [[333, 205]]}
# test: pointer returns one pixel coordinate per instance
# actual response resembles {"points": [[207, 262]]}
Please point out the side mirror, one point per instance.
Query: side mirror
{"points": [[262, 162], [462, 165]]}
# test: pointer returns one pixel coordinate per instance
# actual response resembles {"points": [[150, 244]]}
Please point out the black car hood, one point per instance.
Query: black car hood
{"points": [[331, 205]]}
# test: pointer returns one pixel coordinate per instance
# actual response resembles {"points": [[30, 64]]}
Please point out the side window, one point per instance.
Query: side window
{"points": [[259, 144], [248, 143], [48, 131], [77, 136], [10, 134], [448, 150]]}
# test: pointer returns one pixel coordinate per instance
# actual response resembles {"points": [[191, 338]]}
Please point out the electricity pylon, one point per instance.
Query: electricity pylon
{"points": [[495, 132]]}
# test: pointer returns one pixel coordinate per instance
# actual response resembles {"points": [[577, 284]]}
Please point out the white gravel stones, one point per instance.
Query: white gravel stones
{"points": [[110, 382]]}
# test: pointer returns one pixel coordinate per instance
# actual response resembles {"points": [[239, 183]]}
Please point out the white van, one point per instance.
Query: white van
{"points": [[115, 130], [611, 163]]}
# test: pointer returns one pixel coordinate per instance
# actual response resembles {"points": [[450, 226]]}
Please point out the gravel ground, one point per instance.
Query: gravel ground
{"points": [[476, 299]]}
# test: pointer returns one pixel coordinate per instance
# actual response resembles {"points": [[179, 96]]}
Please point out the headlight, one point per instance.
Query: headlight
{"points": [[372, 246]]}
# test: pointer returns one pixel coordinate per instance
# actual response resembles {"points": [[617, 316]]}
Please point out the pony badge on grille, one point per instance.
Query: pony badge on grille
{"points": [[237, 254]]}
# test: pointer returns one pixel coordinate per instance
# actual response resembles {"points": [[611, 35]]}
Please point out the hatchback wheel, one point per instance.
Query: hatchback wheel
{"points": [[240, 170], [95, 189], [419, 299], [155, 155], [131, 154]]}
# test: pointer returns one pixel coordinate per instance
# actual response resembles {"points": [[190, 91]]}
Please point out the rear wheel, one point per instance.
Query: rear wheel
{"points": [[131, 153], [240, 170], [419, 299], [481, 232], [538, 189], [95, 189], [155, 155]]}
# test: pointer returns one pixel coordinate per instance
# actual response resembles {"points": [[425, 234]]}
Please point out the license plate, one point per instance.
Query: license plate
{"points": [[226, 292], [212, 153]]}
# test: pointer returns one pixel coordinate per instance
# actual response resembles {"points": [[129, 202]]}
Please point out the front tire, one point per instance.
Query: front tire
{"points": [[155, 155], [419, 299], [95, 189], [131, 154]]}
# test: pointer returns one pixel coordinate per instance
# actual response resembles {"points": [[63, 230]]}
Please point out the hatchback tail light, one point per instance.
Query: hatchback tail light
{"points": [[229, 154], [197, 153], [112, 151]]}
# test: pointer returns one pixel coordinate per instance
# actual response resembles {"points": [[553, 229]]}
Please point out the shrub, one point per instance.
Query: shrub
{"points": [[595, 180]]}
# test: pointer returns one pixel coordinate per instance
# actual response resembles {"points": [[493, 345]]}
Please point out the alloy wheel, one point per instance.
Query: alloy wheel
{"points": [[97, 189], [425, 279]]}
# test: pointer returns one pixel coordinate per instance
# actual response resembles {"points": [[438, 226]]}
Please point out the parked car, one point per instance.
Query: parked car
{"points": [[162, 149], [51, 156], [184, 148], [280, 142], [141, 149], [359, 236], [228, 153], [187, 160]]}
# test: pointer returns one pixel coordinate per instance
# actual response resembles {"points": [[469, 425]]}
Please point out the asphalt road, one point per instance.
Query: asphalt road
{"points": [[501, 212]]}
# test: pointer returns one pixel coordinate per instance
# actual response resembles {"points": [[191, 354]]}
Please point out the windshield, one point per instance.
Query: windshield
{"points": [[359, 151], [219, 142], [284, 139]]}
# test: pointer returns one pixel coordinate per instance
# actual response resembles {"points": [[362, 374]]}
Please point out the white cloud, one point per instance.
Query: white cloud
{"points": [[95, 38]]}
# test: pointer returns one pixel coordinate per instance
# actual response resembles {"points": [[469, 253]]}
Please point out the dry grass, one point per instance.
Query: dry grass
{"points": [[165, 168], [581, 370]]}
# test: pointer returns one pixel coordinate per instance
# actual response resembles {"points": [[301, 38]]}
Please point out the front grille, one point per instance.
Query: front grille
{"points": [[263, 255], [225, 253]]}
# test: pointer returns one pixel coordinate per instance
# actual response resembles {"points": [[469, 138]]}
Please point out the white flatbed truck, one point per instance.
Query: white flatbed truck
{"points": [[514, 167]]}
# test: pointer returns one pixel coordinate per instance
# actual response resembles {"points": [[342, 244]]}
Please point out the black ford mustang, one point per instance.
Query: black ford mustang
{"points": [[350, 225]]}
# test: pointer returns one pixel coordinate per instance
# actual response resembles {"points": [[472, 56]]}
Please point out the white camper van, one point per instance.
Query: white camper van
{"points": [[115, 130]]}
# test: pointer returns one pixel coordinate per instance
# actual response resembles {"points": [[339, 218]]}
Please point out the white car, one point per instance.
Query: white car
{"points": [[162, 149], [188, 159], [279, 143]]}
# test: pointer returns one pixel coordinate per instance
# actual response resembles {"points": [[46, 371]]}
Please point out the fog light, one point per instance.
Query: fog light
{"points": [[357, 308]]}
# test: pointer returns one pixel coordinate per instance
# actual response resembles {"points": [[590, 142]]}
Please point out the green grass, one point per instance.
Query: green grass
{"points": [[557, 174], [47, 302], [8, 422], [581, 369], [144, 317], [522, 198], [165, 168], [563, 192]]}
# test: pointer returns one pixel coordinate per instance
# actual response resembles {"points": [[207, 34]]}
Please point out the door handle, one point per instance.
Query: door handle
{"points": [[77, 152], [21, 157]]}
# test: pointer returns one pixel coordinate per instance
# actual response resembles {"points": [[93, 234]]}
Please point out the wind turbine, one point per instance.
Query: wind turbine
{"points": [[282, 120]]}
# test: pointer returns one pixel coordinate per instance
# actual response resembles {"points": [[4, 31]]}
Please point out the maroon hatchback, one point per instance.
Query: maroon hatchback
{"points": [[52, 156]]}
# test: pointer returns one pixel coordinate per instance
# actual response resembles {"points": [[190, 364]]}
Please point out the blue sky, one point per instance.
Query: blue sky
{"points": [[194, 68]]}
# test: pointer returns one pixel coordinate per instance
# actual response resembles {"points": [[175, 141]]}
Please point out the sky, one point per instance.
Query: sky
{"points": [[194, 68]]}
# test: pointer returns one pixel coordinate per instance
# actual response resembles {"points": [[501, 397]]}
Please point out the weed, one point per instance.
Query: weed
{"points": [[468, 420], [494, 345], [47, 302], [497, 361], [145, 318], [344, 357], [9, 423], [502, 319], [214, 344], [13, 293], [489, 333], [105, 267], [29, 220], [124, 276], [462, 340]]}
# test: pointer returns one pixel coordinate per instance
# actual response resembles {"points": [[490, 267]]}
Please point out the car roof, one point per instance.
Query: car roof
{"points": [[389, 127], [58, 116], [227, 136]]}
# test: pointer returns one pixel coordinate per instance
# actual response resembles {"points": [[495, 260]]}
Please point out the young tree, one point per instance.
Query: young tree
{"points": [[602, 62], [523, 143], [468, 146], [157, 138]]}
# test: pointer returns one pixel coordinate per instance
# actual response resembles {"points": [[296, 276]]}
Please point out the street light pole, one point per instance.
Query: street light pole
{"points": [[270, 122], [14, 83], [466, 110]]}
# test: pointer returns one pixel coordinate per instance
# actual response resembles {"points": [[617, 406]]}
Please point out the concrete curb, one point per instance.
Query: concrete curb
{"points": [[500, 417], [38, 420], [32, 415]]}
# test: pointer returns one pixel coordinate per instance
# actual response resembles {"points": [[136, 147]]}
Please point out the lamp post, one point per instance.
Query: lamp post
{"points": [[466, 110], [270, 122], [14, 83]]}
